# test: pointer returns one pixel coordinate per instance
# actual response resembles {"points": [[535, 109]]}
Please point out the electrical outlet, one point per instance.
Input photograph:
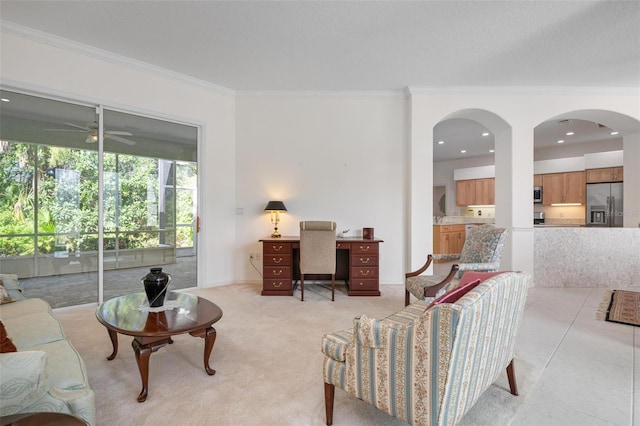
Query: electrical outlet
{"points": [[254, 256], [251, 256]]}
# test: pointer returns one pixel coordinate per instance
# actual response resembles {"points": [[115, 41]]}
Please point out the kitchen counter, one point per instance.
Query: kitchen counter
{"points": [[558, 225], [586, 257], [464, 220]]}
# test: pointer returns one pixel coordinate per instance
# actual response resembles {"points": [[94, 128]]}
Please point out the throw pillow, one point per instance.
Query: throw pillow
{"points": [[469, 276], [4, 296], [6, 345], [455, 294]]}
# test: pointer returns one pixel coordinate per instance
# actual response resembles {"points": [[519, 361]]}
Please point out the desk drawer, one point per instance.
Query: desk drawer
{"points": [[277, 272], [358, 273], [277, 259], [363, 285], [364, 248], [340, 245], [364, 260], [277, 285], [276, 248]]}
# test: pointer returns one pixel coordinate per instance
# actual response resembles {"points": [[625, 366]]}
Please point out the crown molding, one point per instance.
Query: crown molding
{"points": [[105, 55], [322, 93], [524, 90]]}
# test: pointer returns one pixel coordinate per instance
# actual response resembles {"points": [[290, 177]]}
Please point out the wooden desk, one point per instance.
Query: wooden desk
{"points": [[357, 263]]}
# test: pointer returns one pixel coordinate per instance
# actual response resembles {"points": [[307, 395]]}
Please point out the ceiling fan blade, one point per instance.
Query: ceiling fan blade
{"points": [[86, 129], [119, 139], [118, 133]]}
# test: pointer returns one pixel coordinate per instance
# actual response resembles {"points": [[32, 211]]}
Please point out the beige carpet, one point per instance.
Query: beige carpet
{"points": [[268, 361]]}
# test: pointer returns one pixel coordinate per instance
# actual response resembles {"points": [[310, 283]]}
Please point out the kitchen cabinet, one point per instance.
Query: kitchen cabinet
{"points": [[537, 180], [486, 191], [448, 239], [465, 192], [562, 188], [475, 192], [607, 174]]}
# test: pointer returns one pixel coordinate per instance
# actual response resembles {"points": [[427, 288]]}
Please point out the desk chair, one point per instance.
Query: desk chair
{"points": [[318, 251]]}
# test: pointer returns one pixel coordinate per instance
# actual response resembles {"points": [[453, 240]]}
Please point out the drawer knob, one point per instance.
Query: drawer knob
{"points": [[277, 259], [365, 273], [277, 248], [365, 260], [278, 284], [277, 273], [365, 248]]}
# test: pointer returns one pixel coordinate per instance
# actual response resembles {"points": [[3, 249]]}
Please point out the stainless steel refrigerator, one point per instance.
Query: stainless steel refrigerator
{"points": [[604, 204]]}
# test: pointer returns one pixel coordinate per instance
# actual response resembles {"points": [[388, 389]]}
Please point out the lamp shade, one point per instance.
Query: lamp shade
{"points": [[275, 206]]}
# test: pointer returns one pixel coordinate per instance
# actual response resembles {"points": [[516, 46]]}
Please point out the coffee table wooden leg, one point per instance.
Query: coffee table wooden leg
{"points": [[209, 335], [209, 340], [114, 342], [143, 353]]}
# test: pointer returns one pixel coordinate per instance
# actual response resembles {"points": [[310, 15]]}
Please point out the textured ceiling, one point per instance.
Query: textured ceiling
{"points": [[364, 46], [358, 45]]}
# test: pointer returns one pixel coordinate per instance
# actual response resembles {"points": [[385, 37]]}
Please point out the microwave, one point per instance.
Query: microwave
{"points": [[537, 194]]}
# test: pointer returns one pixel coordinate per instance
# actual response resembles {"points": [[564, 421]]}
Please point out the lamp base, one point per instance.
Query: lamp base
{"points": [[276, 234]]}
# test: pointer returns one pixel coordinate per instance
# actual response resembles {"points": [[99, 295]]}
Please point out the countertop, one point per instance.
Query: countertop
{"points": [[558, 225], [463, 220]]}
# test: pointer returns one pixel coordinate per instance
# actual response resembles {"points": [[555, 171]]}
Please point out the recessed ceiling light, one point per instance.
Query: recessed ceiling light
{"points": [[492, 150], [485, 134], [561, 141], [440, 142], [5, 100], [569, 133], [614, 133], [463, 151]]}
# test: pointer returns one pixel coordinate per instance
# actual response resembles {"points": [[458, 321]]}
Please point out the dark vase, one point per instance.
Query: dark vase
{"points": [[155, 285]]}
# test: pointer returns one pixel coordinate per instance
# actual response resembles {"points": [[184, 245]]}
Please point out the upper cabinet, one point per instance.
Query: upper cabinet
{"points": [[475, 192], [562, 188], [607, 174], [537, 180]]}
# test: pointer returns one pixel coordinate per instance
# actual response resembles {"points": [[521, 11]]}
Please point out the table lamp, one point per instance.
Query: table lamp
{"points": [[275, 207]]}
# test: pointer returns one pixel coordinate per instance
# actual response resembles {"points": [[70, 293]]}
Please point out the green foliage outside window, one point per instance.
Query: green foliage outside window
{"points": [[51, 193]]}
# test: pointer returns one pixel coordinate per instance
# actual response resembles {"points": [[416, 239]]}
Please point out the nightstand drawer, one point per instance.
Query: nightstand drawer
{"points": [[277, 259]]}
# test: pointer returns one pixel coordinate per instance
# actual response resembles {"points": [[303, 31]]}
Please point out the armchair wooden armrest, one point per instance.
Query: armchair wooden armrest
{"points": [[430, 291]]}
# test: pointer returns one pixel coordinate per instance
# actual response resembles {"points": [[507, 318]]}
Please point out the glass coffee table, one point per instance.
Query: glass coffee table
{"points": [[152, 330]]}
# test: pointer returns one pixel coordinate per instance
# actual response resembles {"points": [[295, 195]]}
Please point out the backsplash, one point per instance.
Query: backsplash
{"points": [[562, 215]]}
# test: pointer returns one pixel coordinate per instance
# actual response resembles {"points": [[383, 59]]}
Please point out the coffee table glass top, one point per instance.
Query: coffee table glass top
{"points": [[123, 314]]}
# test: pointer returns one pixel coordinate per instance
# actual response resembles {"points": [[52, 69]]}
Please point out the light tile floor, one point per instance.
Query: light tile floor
{"points": [[590, 368]]}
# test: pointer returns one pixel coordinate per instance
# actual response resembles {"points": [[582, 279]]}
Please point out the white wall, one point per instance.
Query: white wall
{"points": [[328, 157], [71, 73], [359, 160]]}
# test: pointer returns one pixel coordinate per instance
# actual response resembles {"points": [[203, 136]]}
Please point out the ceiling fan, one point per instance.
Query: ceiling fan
{"points": [[92, 133]]}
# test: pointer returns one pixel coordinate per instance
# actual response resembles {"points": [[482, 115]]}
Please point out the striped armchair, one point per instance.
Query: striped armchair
{"points": [[429, 367]]}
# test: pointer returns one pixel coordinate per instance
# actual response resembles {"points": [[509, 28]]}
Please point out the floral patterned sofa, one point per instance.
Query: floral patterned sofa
{"points": [[41, 371], [429, 363]]}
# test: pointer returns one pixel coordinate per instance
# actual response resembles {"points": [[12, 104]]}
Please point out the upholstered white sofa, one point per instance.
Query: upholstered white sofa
{"points": [[46, 373], [429, 363]]}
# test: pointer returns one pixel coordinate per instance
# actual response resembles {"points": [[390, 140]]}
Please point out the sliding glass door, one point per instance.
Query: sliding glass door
{"points": [[66, 246]]}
